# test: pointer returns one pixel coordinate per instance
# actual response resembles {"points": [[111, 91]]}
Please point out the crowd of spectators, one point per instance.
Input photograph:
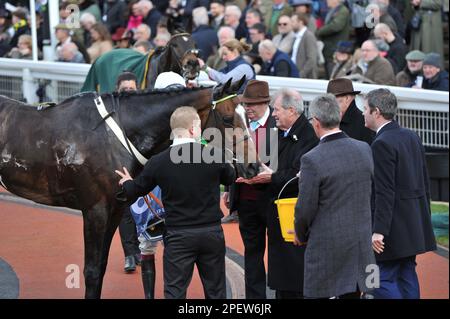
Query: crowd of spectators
{"points": [[372, 41]]}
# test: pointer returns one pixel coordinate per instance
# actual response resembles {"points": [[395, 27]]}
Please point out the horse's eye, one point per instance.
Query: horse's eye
{"points": [[228, 120]]}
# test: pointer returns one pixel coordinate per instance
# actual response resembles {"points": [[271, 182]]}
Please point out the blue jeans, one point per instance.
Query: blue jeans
{"points": [[398, 279]]}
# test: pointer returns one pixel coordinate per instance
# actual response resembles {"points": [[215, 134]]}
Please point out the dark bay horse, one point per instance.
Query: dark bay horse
{"points": [[179, 56], [66, 155]]}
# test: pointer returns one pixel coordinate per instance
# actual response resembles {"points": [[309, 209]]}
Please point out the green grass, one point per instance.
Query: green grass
{"points": [[440, 209]]}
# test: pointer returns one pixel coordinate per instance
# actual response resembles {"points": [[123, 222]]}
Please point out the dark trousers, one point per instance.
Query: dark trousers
{"points": [[398, 279], [204, 247], [128, 234], [253, 225]]}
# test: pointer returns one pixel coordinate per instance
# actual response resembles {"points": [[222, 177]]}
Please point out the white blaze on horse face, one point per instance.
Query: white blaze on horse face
{"points": [[40, 143], [185, 39]]}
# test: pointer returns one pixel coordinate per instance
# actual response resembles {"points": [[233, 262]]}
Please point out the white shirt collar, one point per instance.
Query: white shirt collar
{"points": [[383, 126], [301, 32], [183, 140], [328, 134]]}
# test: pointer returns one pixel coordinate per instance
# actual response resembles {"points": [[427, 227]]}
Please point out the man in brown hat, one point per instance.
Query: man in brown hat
{"points": [[352, 120], [250, 200]]}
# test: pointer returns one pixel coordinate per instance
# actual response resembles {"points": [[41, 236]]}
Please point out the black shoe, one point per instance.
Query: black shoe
{"points": [[130, 264], [137, 259], [231, 218]]}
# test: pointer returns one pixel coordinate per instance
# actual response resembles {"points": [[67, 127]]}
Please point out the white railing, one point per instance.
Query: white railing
{"points": [[425, 111]]}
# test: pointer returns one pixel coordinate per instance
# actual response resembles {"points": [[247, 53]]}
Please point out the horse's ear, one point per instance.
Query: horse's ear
{"points": [[241, 82], [227, 85]]}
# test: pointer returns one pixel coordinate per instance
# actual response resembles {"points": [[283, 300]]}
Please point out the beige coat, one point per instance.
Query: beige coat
{"points": [[98, 48], [379, 71], [284, 43]]}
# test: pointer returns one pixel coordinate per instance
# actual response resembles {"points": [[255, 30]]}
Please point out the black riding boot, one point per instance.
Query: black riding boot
{"points": [[148, 276]]}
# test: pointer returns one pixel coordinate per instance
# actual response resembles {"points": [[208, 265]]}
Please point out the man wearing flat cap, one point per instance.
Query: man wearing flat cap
{"points": [[411, 76], [344, 60], [352, 120], [251, 201]]}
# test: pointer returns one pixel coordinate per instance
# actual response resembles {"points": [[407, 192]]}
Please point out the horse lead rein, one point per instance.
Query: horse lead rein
{"points": [[117, 131]]}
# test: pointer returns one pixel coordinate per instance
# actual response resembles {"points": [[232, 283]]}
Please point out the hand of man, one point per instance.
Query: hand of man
{"points": [[125, 176], [297, 241], [378, 243], [226, 199]]}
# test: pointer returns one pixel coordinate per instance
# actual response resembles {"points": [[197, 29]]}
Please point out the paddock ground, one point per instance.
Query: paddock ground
{"points": [[38, 243]]}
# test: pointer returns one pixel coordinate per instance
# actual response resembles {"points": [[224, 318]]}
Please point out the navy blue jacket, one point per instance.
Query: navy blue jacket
{"points": [[281, 65], [206, 39], [439, 82], [401, 197]]}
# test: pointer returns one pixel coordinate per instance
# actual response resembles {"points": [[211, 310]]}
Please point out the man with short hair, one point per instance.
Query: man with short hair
{"points": [[397, 47], [372, 68], [352, 120], [217, 11], [143, 46], [142, 33], [435, 77], [204, 36], [232, 19], [332, 214], [150, 15], [69, 53], [193, 234], [304, 49], [224, 34], [401, 199], [411, 76], [276, 62]]}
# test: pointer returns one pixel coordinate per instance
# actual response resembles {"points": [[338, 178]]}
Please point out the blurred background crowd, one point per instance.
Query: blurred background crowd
{"points": [[390, 42]]}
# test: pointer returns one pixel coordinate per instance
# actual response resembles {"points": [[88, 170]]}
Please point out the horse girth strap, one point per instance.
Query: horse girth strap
{"points": [[117, 131]]}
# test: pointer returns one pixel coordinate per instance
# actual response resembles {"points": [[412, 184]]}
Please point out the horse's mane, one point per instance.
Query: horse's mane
{"points": [[78, 95], [168, 91]]}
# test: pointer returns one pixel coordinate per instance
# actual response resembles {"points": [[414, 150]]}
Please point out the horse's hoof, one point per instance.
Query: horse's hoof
{"points": [[130, 264]]}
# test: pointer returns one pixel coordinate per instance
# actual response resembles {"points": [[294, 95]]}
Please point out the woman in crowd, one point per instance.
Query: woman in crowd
{"points": [[236, 66], [101, 42]]}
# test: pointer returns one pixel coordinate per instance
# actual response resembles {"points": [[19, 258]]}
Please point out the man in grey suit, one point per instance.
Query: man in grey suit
{"points": [[332, 215], [304, 50]]}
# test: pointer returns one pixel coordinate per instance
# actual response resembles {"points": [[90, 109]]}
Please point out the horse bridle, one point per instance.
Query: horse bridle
{"points": [[227, 121], [180, 60]]}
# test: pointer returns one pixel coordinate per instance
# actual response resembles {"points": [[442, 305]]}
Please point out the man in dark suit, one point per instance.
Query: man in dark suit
{"points": [[191, 195], [332, 215], [296, 137], [352, 120], [250, 200], [401, 204]]}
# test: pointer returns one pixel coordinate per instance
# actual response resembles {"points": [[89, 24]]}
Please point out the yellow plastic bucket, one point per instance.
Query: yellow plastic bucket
{"points": [[286, 208]]}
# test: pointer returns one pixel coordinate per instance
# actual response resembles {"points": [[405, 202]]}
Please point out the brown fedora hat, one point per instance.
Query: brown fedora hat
{"points": [[255, 92], [341, 86]]}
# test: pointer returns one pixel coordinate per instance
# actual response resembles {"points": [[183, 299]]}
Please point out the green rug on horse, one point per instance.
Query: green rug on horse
{"points": [[103, 73]]}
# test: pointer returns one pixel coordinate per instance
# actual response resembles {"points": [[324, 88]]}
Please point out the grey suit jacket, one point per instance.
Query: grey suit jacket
{"points": [[333, 216], [307, 54]]}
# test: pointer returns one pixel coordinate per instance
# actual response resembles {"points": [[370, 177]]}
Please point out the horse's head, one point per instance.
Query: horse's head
{"points": [[233, 129], [184, 51]]}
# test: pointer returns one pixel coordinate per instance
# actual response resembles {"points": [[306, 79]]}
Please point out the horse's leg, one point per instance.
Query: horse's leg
{"points": [[100, 225]]}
